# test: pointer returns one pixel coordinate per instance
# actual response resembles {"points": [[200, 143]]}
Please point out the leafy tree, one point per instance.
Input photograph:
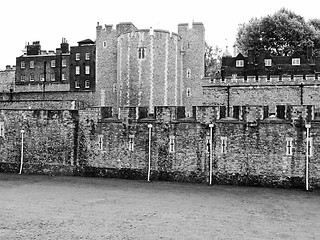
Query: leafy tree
{"points": [[282, 34], [315, 23], [212, 61]]}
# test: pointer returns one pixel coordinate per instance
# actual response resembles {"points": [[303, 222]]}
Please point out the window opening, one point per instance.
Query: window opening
{"points": [[223, 145], [171, 144]]}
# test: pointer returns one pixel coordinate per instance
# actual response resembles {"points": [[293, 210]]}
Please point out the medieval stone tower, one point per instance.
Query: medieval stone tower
{"points": [[106, 62], [193, 63], [147, 68]]}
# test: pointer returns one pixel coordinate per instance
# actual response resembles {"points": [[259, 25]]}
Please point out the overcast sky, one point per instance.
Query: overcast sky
{"points": [[48, 21]]}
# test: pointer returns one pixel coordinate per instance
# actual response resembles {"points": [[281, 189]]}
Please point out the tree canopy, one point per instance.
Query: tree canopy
{"points": [[212, 61], [282, 34]]}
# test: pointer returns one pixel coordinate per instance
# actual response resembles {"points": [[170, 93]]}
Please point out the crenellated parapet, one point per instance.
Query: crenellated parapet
{"points": [[262, 80]]}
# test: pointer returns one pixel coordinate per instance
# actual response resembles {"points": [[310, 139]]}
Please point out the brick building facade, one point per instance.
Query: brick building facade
{"points": [[50, 75], [40, 71], [82, 66]]}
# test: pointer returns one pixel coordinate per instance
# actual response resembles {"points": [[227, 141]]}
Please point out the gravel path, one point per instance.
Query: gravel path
{"points": [[46, 207]]}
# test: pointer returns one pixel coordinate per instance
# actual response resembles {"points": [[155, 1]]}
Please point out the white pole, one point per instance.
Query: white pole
{"points": [[22, 132], [307, 157], [149, 163], [210, 177]]}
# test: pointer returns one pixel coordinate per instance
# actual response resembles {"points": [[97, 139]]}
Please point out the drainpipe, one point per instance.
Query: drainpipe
{"points": [[44, 79], [149, 162], [21, 163], [308, 126], [228, 104], [301, 94], [210, 176]]}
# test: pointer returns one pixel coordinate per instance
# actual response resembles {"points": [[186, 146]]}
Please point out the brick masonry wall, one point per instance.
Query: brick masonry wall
{"points": [[38, 87], [42, 63], [82, 63]]}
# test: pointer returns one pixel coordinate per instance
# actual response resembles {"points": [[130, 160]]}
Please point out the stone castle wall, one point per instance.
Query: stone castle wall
{"points": [[7, 78], [261, 95], [83, 142], [154, 79], [48, 139], [193, 37]]}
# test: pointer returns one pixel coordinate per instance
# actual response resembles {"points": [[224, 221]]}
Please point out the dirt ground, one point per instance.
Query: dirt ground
{"points": [[46, 207]]}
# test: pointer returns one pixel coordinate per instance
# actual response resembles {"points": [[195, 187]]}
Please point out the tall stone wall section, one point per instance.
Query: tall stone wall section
{"points": [[257, 155], [265, 96], [193, 60], [188, 163], [107, 62], [7, 78], [85, 143], [154, 79], [106, 65], [49, 141], [88, 98]]}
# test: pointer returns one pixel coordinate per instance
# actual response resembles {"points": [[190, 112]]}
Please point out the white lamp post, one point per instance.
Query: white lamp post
{"points": [[21, 163], [308, 126], [149, 163], [210, 177]]}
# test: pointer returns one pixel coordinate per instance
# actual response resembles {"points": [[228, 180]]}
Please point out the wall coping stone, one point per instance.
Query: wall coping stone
{"points": [[229, 119]]}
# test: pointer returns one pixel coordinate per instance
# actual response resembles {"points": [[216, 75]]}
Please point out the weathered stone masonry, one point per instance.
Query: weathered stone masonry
{"points": [[90, 142], [148, 67], [257, 155], [48, 140]]}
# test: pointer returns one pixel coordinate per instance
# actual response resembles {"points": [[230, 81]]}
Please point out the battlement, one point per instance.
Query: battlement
{"points": [[188, 26], [284, 79], [249, 114], [106, 27], [10, 68], [125, 27], [157, 33], [119, 28]]}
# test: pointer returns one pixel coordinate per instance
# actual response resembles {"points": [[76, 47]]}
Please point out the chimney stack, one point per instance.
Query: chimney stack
{"points": [[34, 49], [64, 46]]}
